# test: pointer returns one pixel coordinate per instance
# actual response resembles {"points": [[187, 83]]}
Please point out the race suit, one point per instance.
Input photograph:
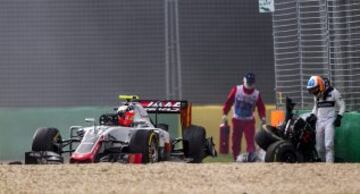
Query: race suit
{"points": [[325, 110], [245, 101]]}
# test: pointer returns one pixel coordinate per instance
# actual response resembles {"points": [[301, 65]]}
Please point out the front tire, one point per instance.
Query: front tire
{"points": [[47, 139], [283, 151], [146, 143]]}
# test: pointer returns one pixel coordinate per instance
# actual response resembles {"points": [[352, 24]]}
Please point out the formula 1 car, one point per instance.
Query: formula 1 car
{"points": [[294, 141], [126, 136]]}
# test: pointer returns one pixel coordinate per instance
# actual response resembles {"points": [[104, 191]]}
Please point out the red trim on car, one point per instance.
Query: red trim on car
{"points": [[88, 157], [135, 158]]}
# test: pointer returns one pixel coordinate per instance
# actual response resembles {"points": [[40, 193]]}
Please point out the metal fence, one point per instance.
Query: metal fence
{"points": [[316, 37]]}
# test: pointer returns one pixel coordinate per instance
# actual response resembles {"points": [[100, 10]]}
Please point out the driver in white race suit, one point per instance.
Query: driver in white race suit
{"points": [[325, 98]]}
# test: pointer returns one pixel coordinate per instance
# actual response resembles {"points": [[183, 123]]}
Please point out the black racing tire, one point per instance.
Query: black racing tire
{"points": [[146, 143], [194, 142], [265, 138], [47, 139], [270, 152], [283, 151]]}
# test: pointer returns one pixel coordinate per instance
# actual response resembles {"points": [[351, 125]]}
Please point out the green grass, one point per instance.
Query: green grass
{"points": [[220, 158]]}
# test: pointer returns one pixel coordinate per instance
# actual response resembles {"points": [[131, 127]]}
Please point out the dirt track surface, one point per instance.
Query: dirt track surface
{"points": [[181, 178]]}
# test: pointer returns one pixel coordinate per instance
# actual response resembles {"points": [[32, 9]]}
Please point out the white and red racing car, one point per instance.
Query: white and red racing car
{"points": [[128, 135]]}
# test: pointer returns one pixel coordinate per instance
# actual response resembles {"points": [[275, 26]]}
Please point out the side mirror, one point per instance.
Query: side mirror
{"points": [[90, 120], [93, 121]]}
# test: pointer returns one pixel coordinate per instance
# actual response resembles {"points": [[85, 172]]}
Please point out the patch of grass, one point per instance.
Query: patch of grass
{"points": [[220, 158]]}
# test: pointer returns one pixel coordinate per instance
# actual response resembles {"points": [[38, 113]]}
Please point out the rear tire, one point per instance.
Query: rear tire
{"points": [[283, 151], [47, 139], [194, 143], [146, 143]]}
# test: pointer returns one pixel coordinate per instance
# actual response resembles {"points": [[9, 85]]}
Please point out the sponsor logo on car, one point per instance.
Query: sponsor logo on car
{"points": [[162, 106]]}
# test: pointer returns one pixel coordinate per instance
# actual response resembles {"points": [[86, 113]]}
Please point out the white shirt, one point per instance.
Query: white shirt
{"points": [[325, 108]]}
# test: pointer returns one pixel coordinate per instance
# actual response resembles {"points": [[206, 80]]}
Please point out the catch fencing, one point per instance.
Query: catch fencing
{"points": [[316, 37]]}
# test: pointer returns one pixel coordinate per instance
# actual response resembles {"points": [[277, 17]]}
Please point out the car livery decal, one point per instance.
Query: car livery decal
{"points": [[163, 106]]}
